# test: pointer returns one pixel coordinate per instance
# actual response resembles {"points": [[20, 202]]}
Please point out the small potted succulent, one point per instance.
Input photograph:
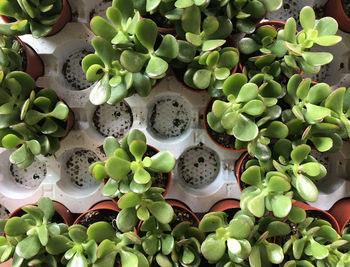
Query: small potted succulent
{"points": [[314, 242], [29, 231], [249, 113], [18, 56], [284, 51], [128, 59], [32, 120], [340, 10], [242, 240], [35, 17]]}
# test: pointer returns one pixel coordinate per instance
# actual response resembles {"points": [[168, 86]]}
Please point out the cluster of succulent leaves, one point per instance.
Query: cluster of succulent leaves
{"points": [[30, 16], [285, 51], [274, 184], [31, 119], [130, 176], [10, 54], [127, 59], [165, 246], [243, 241]]}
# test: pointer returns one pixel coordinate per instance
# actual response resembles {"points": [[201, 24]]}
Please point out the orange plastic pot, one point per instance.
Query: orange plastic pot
{"points": [[329, 216], [64, 18], [224, 205], [60, 209], [334, 8], [341, 212], [35, 65]]}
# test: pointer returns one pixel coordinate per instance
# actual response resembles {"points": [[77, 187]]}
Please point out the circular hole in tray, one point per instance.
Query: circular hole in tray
{"points": [[198, 166], [73, 72], [4, 213], [77, 168], [169, 116], [113, 120], [100, 8], [31, 177]]}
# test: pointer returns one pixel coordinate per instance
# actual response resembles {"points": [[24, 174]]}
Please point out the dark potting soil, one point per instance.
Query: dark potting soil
{"points": [[317, 215], [99, 215], [56, 218], [182, 216], [160, 179], [281, 240], [231, 213], [227, 141], [346, 7]]}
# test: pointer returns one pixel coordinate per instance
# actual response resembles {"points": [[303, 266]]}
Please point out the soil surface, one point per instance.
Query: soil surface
{"points": [[99, 215], [161, 21], [182, 216], [346, 7], [227, 141]]}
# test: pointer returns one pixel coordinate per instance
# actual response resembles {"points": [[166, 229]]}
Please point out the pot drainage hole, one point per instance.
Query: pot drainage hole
{"points": [[198, 166], [169, 116], [77, 168], [72, 70], [113, 120], [31, 177]]}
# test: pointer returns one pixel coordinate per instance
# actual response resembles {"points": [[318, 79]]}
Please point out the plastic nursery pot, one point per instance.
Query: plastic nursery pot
{"points": [[64, 18], [60, 209], [167, 187], [224, 205], [179, 205], [334, 8], [34, 64], [103, 205], [341, 212], [329, 217], [239, 169], [211, 132]]}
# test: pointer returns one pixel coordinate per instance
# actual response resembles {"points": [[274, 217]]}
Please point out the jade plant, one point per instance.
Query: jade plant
{"points": [[209, 70], [116, 247], [315, 243], [10, 54], [250, 114], [28, 236], [127, 57], [35, 17], [127, 168], [31, 119], [275, 51], [312, 116], [241, 241], [166, 247]]}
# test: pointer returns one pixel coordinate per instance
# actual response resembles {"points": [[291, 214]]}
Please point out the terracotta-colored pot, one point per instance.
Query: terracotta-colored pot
{"points": [[334, 8], [103, 205], [179, 204], [341, 211], [64, 18], [34, 64], [206, 111], [238, 165], [59, 208], [224, 205], [115, 200], [329, 216]]}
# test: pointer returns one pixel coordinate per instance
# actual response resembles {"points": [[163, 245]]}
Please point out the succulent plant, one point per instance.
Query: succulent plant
{"points": [[126, 168], [28, 236], [31, 119], [35, 17], [208, 34], [274, 52], [114, 247], [310, 116], [10, 54], [315, 242], [209, 70], [240, 241], [127, 58]]}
